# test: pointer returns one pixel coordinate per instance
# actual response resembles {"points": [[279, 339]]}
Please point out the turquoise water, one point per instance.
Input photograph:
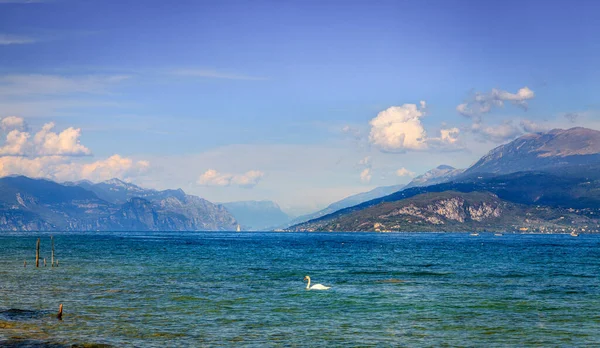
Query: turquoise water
{"points": [[223, 289]]}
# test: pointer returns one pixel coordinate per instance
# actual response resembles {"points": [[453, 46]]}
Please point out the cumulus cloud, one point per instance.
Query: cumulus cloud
{"points": [[248, 179], [13, 122], [59, 168], [405, 172], [44, 143], [51, 155], [115, 166], [65, 143], [399, 128], [365, 175], [482, 103], [15, 144], [214, 178]]}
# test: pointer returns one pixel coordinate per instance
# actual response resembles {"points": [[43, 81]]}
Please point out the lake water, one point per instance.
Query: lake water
{"points": [[224, 289]]}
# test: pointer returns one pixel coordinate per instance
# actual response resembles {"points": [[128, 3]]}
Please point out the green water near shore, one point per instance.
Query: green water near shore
{"points": [[223, 289]]}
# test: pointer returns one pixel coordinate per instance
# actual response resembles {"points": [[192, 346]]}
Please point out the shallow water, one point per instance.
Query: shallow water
{"points": [[220, 289]]}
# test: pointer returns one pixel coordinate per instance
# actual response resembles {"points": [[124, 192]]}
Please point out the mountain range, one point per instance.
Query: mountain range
{"points": [[543, 182], [41, 205]]}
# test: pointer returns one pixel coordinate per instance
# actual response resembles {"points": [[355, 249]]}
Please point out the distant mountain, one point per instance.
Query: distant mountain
{"points": [[257, 215], [436, 175], [35, 204], [347, 202], [118, 192], [555, 172], [540, 151]]}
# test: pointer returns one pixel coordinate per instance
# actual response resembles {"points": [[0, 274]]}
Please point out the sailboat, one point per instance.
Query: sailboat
{"points": [[238, 228]]}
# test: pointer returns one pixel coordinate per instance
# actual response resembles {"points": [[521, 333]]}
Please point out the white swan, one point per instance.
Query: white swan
{"points": [[316, 286]]}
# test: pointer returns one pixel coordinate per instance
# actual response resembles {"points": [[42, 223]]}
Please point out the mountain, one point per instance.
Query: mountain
{"points": [[36, 204], [455, 212], [347, 202], [257, 215], [556, 173], [540, 151], [437, 175], [434, 176], [118, 191]]}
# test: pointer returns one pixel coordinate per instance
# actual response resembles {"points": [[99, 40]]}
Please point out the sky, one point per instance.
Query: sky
{"points": [[299, 102]]}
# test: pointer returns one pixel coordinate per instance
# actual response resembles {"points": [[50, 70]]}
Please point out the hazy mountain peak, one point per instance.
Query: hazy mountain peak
{"points": [[436, 175], [257, 215]]}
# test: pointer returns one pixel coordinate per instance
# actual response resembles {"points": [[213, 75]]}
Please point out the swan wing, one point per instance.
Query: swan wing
{"points": [[320, 287]]}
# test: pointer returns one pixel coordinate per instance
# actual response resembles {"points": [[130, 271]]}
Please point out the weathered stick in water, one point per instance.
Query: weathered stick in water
{"points": [[25, 264], [37, 253], [52, 259], [59, 315], [44, 262]]}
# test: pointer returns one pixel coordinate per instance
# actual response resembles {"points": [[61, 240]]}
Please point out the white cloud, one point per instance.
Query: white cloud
{"points": [[405, 172], [248, 179], [12, 122], [7, 39], [15, 144], [532, 127], [45, 142], [365, 175], [65, 143], [115, 166], [213, 178], [208, 73], [61, 168], [39, 167], [39, 84], [399, 128], [482, 103], [497, 133], [50, 155], [448, 140]]}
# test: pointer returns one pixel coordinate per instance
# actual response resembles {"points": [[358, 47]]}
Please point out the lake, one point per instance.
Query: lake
{"points": [[223, 289]]}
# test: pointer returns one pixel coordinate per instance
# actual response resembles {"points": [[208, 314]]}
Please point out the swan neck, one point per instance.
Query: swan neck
{"points": [[308, 284]]}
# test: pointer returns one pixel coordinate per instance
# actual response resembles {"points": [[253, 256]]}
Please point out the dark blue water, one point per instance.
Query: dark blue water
{"points": [[223, 289]]}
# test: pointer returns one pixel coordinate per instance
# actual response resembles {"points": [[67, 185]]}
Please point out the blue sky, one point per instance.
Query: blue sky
{"points": [[285, 100]]}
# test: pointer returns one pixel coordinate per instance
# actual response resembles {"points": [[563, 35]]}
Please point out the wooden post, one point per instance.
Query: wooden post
{"points": [[25, 264], [37, 253], [56, 262], [52, 259], [44, 262], [59, 315]]}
